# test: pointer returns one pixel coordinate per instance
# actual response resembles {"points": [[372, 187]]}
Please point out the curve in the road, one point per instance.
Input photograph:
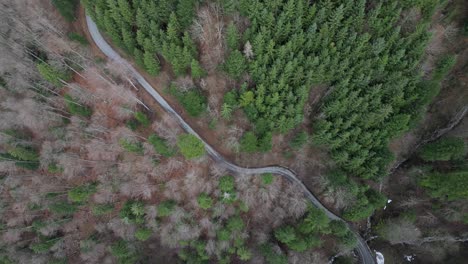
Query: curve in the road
{"points": [[362, 248]]}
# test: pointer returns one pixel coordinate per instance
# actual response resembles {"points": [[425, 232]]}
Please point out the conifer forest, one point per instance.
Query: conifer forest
{"points": [[233, 131]]}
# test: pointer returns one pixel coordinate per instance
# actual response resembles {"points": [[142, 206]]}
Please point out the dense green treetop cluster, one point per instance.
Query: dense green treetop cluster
{"points": [[444, 149], [360, 50], [146, 27], [451, 186]]}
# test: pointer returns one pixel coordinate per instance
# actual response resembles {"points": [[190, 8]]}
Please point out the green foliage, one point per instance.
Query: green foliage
{"points": [[132, 124], [24, 157], [24, 153], [235, 223], [226, 111], [271, 256], [368, 201], [248, 142], [66, 8], [76, 108], [285, 234], [235, 64], [78, 38], [197, 70], [232, 37], [226, 183], [338, 228], [192, 100], [143, 234], [102, 209], [43, 246], [244, 253], [443, 66], [298, 140], [445, 149], [160, 146], [165, 208], [145, 28], [135, 147], [451, 186], [133, 212], [142, 118], [224, 234], [63, 208], [204, 201], [54, 168], [190, 146], [53, 75], [304, 235], [151, 64], [82, 193], [246, 98], [124, 254], [230, 98], [267, 178]]}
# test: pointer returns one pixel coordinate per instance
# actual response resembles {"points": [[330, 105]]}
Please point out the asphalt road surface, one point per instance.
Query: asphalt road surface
{"points": [[362, 249]]}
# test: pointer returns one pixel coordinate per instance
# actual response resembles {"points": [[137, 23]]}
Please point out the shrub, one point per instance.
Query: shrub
{"points": [[226, 183], [224, 234], [285, 234], [53, 75], [160, 145], [298, 140], [244, 253], [444, 149], [338, 228], [248, 142], [133, 212], [78, 38], [235, 224], [24, 153], [271, 256], [63, 208], [192, 100], [66, 8], [81, 193], [204, 201], [123, 253], [75, 108], [142, 118], [135, 147], [452, 185], [444, 65], [165, 208], [102, 209], [43, 246], [267, 178], [190, 146], [143, 234], [132, 124]]}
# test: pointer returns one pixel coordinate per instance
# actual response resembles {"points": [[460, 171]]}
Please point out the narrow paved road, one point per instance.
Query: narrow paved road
{"points": [[362, 249]]}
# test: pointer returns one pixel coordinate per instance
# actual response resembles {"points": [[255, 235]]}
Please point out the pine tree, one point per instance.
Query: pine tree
{"points": [[151, 64], [232, 37], [197, 70]]}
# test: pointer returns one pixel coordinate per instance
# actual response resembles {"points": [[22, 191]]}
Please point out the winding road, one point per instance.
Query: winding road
{"points": [[362, 248]]}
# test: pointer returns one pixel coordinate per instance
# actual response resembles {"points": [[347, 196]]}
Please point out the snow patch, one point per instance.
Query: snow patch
{"points": [[379, 258], [409, 258]]}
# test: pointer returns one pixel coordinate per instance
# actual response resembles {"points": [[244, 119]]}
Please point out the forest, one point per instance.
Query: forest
{"points": [[349, 95]]}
